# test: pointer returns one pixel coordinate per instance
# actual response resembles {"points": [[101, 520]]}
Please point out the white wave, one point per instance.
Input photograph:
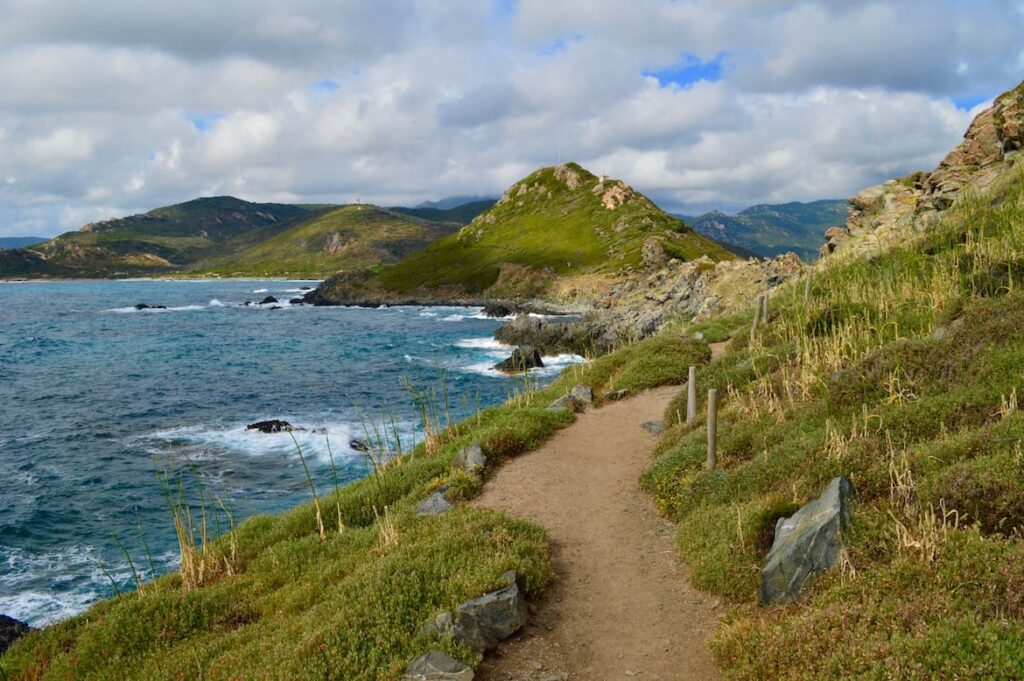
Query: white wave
{"points": [[428, 313], [156, 310], [261, 290], [206, 442], [74, 575], [215, 303], [491, 344], [453, 318]]}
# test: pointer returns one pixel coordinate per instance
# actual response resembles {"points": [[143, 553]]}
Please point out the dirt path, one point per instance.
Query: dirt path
{"points": [[620, 605]]}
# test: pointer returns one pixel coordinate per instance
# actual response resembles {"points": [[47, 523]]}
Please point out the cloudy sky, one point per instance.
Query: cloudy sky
{"points": [[115, 107]]}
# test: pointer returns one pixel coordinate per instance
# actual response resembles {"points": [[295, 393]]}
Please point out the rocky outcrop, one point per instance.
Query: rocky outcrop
{"points": [[10, 631], [806, 543], [887, 214], [484, 622], [271, 426], [523, 358], [437, 666], [269, 300]]}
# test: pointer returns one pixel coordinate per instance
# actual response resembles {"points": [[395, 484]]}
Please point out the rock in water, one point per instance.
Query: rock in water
{"points": [[10, 631], [359, 445], [470, 459], [435, 504], [524, 357], [484, 622], [436, 666], [805, 543], [271, 426], [269, 300]]}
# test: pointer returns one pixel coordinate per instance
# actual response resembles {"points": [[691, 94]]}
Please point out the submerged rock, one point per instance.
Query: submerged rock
{"points": [[143, 306], [523, 358], [470, 459], [10, 631], [805, 543], [484, 622], [269, 300], [436, 666], [296, 301], [271, 426]]}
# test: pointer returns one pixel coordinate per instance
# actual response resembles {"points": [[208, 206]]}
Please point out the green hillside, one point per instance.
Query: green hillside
{"points": [[558, 222], [231, 237], [769, 230], [349, 237]]}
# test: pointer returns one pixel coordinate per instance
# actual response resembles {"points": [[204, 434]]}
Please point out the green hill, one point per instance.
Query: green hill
{"points": [[229, 236], [343, 238], [557, 223], [769, 230]]}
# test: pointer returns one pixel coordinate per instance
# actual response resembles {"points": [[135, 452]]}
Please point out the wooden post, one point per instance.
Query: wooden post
{"points": [[807, 283], [712, 429], [691, 397], [758, 304], [764, 309]]}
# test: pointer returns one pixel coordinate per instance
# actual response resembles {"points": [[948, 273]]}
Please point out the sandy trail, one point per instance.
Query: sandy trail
{"points": [[620, 605]]}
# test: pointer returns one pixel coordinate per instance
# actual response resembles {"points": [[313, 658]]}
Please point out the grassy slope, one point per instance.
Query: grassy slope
{"points": [[546, 227], [371, 235], [770, 230], [351, 606], [926, 425]]}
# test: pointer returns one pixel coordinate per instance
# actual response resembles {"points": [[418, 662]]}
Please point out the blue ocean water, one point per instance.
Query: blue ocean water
{"points": [[98, 399]]}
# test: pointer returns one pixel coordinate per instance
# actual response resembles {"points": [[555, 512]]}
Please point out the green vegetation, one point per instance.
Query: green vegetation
{"points": [[229, 237], [901, 372], [770, 230], [351, 237], [556, 222]]}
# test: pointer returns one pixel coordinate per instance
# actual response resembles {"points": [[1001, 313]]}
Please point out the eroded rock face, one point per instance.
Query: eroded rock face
{"points": [[484, 622], [885, 215], [10, 631], [807, 542], [437, 666]]}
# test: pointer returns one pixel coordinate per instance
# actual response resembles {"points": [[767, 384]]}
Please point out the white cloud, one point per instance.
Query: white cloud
{"points": [[123, 106]]}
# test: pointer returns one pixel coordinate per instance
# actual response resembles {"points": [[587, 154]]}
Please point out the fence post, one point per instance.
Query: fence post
{"points": [[691, 397], [807, 284], [758, 304], [764, 309], [712, 461]]}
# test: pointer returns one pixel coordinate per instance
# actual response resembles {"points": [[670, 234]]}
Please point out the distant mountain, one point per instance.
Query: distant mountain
{"points": [[462, 214], [20, 241], [769, 230], [229, 236], [555, 225], [455, 201]]}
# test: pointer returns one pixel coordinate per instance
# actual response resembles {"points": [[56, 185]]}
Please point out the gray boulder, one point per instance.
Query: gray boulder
{"points": [[577, 399], [805, 543], [484, 622], [436, 666], [583, 394], [616, 395], [435, 504], [470, 459], [655, 428]]}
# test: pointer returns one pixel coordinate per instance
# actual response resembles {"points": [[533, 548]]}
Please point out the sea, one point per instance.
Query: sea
{"points": [[105, 407]]}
